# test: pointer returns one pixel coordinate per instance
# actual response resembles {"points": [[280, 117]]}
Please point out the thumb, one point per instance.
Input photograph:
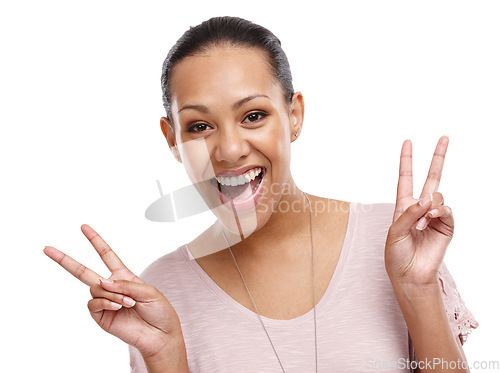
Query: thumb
{"points": [[402, 226]]}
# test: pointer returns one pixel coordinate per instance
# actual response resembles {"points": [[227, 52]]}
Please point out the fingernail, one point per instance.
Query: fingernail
{"points": [[107, 280], [116, 306], [425, 200], [433, 212], [421, 223], [129, 301]]}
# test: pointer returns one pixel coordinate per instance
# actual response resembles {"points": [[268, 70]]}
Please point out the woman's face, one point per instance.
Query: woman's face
{"points": [[233, 129]]}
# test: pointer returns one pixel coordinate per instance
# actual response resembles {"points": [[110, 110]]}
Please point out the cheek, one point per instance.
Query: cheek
{"points": [[274, 143], [196, 159], [281, 134]]}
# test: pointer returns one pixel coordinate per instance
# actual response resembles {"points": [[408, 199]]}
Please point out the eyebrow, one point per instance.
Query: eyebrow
{"points": [[236, 105]]}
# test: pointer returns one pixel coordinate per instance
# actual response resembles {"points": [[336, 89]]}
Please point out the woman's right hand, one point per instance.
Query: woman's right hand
{"points": [[124, 305]]}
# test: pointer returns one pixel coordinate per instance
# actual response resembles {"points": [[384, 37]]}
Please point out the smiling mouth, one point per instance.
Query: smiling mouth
{"points": [[240, 187]]}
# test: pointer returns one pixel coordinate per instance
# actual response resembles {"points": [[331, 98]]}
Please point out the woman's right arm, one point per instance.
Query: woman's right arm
{"points": [[128, 308]]}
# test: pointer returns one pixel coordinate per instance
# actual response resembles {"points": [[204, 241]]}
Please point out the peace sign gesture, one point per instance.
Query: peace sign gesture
{"points": [[123, 305], [422, 228]]}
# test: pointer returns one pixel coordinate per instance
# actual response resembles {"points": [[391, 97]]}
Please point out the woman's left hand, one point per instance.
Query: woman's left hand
{"points": [[422, 228]]}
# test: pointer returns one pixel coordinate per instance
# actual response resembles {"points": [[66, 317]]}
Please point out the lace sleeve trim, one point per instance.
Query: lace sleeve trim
{"points": [[461, 319]]}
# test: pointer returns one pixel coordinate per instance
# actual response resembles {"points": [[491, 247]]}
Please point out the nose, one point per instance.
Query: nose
{"points": [[231, 144]]}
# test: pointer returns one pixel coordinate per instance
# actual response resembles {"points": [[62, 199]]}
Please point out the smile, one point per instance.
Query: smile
{"points": [[242, 190], [242, 179]]}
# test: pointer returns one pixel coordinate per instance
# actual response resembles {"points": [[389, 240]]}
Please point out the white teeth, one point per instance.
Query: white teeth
{"points": [[240, 179]]}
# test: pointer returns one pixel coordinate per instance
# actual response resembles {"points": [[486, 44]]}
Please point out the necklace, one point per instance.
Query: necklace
{"points": [[314, 291]]}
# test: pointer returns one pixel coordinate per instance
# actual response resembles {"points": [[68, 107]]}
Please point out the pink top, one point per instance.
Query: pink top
{"points": [[360, 327]]}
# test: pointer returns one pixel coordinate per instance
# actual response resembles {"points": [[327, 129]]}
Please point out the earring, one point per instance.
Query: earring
{"points": [[296, 134]]}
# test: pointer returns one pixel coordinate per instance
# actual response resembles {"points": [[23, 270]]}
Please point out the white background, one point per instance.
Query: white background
{"points": [[81, 143]]}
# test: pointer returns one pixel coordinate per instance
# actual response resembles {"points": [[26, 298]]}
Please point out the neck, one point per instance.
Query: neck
{"points": [[282, 234]]}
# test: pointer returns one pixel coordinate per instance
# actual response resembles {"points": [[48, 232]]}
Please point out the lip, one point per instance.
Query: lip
{"points": [[238, 171], [251, 202]]}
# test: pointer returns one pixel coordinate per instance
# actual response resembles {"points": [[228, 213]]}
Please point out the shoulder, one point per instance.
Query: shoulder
{"points": [[163, 269], [367, 232], [372, 218], [365, 219], [381, 209]]}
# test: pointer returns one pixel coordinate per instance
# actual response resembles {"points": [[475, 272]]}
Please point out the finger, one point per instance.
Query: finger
{"points": [[107, 255], [405, 181], [98, 305], [434, 175], [437, 200], [442, 212], [140, 292], [445, 214], [85, 275], [401, 227], [97, 291]]}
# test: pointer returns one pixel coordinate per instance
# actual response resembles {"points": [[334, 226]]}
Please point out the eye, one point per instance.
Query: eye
{"points": [[198, 127], [254, 116]]}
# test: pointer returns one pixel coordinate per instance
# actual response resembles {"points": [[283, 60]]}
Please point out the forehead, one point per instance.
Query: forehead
{"points": [[223, 74]]}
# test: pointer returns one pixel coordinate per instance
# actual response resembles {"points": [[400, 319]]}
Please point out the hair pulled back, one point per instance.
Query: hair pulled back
{"points": [[231, 31]]}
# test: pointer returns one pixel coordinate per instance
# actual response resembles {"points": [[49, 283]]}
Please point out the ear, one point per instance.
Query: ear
{"points": [[296, 115], [168, 132]]}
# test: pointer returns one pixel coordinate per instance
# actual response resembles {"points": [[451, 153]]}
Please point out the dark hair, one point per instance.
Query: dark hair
{"points": [[231, 31]]}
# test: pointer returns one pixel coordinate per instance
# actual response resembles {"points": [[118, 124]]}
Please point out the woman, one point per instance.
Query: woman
{"points": [[283, 281]]}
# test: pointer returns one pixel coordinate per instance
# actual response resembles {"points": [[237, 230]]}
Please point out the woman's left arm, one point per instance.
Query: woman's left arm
{"points": [[415, 247], [436, 347]]}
